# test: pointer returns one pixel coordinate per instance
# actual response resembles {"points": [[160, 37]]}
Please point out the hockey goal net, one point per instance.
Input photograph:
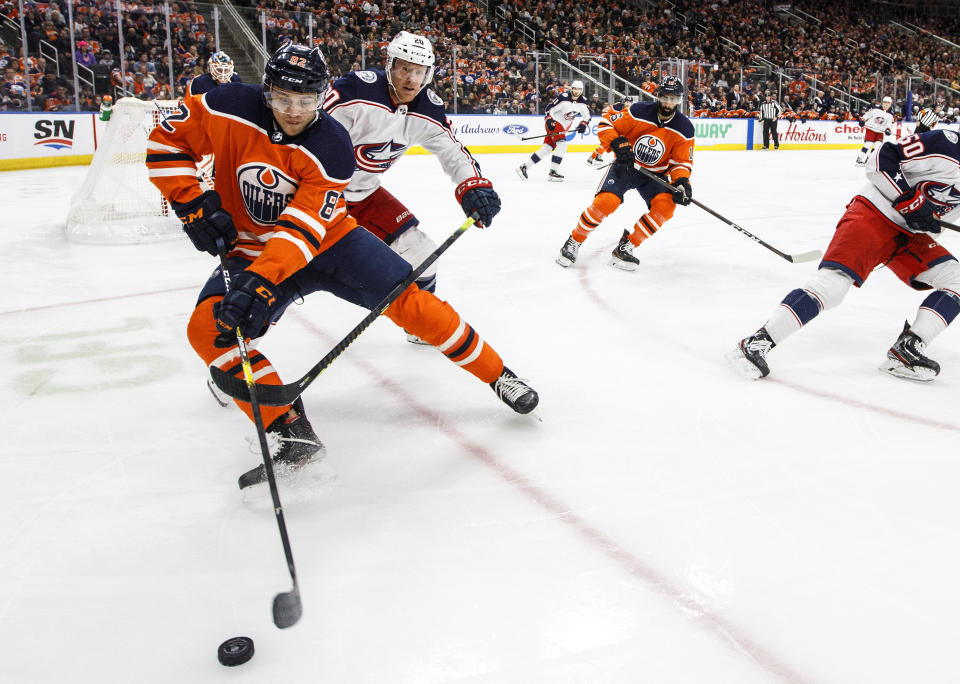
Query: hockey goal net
{"points": [[117, 203]]}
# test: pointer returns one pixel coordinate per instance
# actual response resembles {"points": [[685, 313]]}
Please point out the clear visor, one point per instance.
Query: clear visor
{"points": [[288, 102], [669, 100]]}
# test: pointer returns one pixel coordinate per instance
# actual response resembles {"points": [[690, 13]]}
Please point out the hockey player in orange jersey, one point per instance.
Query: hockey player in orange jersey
{"points": [[282, 220], [655, 136], [596, 157]]}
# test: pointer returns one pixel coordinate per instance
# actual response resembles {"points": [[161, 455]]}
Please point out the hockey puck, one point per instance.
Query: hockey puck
{"points": [[235, 651]]}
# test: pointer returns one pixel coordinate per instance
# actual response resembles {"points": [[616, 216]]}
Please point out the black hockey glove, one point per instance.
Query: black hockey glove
{"points": [[553, 126], [622, 151], [479, 200], [205, 222], [682, 192], [917, 210], [248, 304], [581, 127]]}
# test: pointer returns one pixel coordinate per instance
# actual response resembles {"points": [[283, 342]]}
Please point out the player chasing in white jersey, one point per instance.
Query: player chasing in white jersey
{"points": [[913, 183], [385, 112], [876, 122], [561, 116]]}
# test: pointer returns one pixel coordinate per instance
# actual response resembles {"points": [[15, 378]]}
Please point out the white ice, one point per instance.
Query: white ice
{"points": [[667, 521]]}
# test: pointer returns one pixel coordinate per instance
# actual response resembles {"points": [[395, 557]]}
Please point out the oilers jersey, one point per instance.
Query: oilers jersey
{"points": [[382, 132], [285, 194], [900, 165], [657, 146]]}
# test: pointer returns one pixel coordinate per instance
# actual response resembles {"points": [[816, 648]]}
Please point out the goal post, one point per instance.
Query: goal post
{"points": [[117, 203]]}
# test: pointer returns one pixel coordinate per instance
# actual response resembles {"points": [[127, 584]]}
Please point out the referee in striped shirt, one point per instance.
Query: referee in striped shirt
{"points": [[770, 112]]}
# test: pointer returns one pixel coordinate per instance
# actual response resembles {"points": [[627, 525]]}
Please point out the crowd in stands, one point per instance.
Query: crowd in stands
{"points": [[830, 60]]}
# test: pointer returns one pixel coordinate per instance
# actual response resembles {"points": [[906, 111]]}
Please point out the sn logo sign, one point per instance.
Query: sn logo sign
{"points": [[54, 133]]}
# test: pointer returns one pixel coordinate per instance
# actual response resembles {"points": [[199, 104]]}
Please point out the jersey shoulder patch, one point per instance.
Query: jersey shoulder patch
{"points": [[240, 100], [369, 85], [330, 143], [434, 98]]}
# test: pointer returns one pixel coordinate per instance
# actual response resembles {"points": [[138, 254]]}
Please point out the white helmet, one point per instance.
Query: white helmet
{"points": [[220, 66], [411, 48], [577, 84], [887, 102]]}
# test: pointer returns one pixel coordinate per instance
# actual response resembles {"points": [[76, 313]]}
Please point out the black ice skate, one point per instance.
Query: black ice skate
{"points": [[555, 176], [292, 445], [594, 160], [522, 171], [514, 392], [569, 252], [623, 255], [905, 359], [749, 355]]}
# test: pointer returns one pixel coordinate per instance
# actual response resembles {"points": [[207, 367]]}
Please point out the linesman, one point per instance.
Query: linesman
{"points": [[770, 112]]}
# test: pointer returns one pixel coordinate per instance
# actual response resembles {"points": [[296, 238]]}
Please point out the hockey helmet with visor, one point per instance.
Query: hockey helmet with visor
{"points": [[295, 78]]}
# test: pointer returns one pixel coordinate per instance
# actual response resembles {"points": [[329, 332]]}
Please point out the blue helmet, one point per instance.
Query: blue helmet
{"points": [[670, 85]]}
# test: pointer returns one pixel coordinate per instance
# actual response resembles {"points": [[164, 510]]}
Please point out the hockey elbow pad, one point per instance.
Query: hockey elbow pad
{"points": [[209, 227], [478, 199]]}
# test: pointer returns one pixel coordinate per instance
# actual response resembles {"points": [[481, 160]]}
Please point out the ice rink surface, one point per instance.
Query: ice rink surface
{"points": [[668, 521]]}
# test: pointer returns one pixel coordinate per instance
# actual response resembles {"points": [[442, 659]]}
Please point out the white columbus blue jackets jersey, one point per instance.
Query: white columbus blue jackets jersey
{"points": [[382, 132], [565, 110], [899, 165], [877, 120]]}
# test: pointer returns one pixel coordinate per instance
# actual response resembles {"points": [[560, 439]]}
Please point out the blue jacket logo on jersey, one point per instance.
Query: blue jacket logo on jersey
{"points": [[378, 157], [265, 190], [649, 149], [515, 129]]}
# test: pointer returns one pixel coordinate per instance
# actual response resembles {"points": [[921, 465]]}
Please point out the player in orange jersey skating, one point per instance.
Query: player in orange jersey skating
{"points": [[280, 217], [654, 136]]}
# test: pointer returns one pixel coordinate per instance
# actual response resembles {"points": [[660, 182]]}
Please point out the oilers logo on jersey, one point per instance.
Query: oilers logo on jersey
{"points": [[265, 190], [378, 157], [649, 150]]}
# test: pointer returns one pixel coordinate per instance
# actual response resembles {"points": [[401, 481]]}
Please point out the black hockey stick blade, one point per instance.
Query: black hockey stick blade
{"points": [[287, 608], [284, 395]]}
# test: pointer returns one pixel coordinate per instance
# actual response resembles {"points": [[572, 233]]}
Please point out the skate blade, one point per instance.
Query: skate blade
{"points": [[304, 482], [742, 365], [413, 339], [554, 180], [898, 370], [522, 175], [622, 265], [564, 261]]}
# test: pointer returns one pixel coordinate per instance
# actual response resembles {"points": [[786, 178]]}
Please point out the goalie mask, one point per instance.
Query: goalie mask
{"points": [[669, 96], [412, 51], [220, 67]]}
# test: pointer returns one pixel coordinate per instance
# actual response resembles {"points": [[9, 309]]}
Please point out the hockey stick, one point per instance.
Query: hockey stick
{"points": [[282, 395], [793, 258], [547, 135], [287, 608], [948, 226]]}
